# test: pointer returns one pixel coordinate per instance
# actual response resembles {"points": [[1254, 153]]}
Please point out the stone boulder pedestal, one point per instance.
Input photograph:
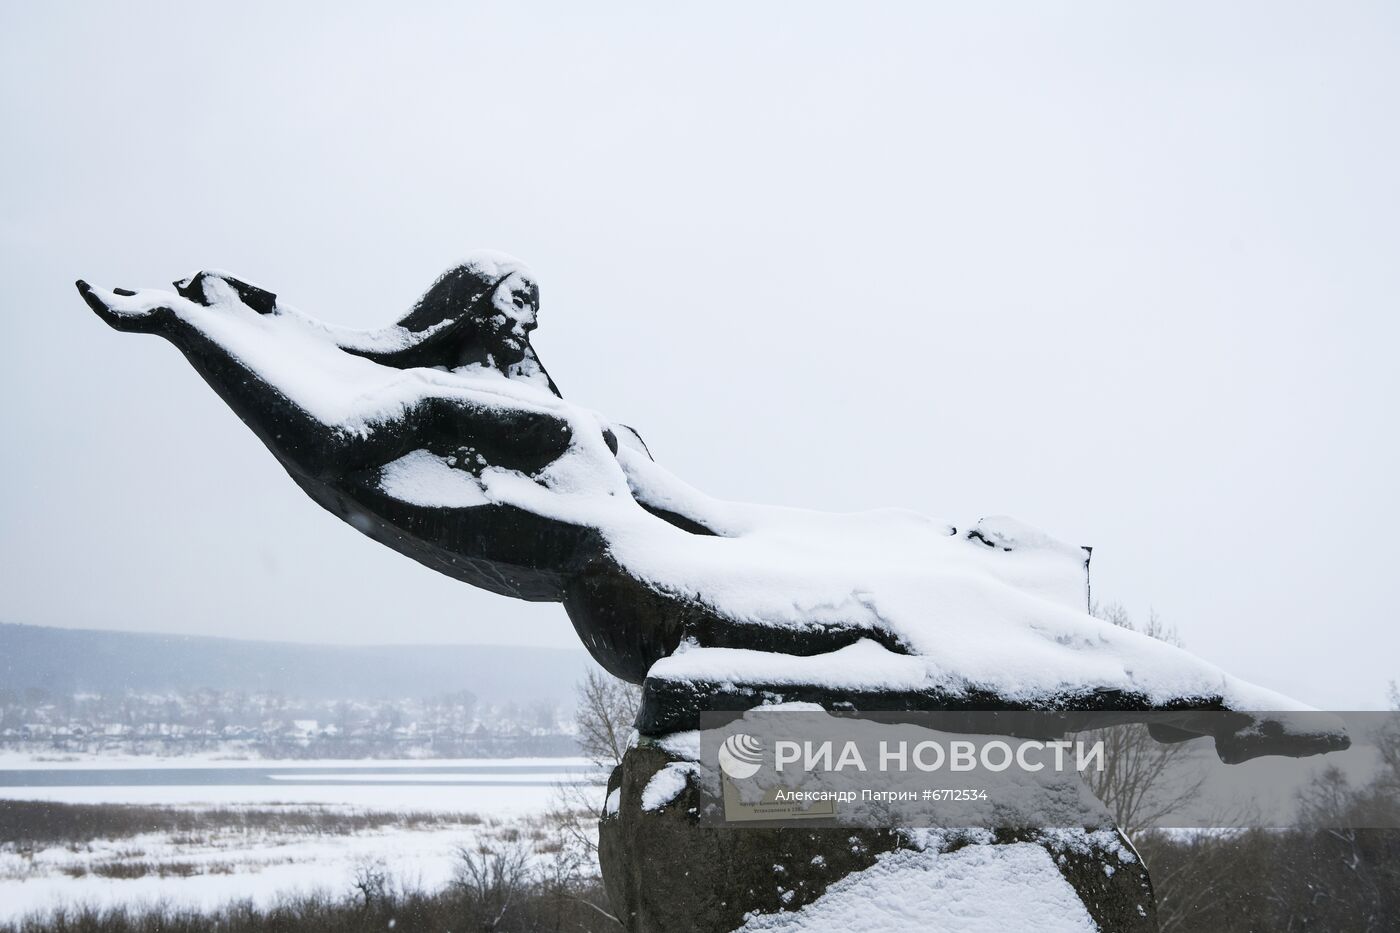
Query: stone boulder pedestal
{"points": [[668, 869]]}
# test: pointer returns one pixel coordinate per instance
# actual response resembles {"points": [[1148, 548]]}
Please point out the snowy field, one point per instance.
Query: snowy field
{"points": [[466, 802]]}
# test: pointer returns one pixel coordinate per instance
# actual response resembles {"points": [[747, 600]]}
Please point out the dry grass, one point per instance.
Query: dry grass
{"points": [[33, 824], [125, 870], [530, 908]]}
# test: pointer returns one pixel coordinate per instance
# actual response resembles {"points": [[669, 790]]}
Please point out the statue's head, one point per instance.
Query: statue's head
{"points": [[483, 308], [504, 326]]}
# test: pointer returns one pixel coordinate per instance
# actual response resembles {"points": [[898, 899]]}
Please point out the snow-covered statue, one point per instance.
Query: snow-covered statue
{"points": [[444, 438]]}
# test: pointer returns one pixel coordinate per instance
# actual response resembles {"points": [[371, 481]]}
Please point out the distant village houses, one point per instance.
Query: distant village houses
{"points": [[457, 725]]}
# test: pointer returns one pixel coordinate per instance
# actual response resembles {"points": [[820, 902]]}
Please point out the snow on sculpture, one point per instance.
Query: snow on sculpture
{"points": [[444, 437]]}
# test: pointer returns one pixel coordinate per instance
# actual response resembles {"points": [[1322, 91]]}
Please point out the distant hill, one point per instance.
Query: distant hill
{"points": [[65, 660]]}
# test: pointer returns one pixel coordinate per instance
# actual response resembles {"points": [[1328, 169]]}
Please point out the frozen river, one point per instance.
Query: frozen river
{"points": [[488, 787]]}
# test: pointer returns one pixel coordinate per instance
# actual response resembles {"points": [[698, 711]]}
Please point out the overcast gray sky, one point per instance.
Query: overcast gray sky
{"points": [[1127, 272]]}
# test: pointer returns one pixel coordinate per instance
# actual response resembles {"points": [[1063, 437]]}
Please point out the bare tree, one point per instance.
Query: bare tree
{"points": [[372, 884], [1142, 778], [1388, 743], [606, 710], [493, 876], [573, 814], [1154, 627]]}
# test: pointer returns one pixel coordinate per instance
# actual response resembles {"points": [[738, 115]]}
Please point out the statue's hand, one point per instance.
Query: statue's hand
{"points": [[151, 310], [206, 288], [143, 311]]}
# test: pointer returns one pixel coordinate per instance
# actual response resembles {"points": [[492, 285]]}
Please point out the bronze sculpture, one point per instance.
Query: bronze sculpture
{"points": [[444, 437]]}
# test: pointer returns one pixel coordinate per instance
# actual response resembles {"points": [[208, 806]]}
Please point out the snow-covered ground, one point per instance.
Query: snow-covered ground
{"points": [[979, 889], [209, 867], [224, 868]]}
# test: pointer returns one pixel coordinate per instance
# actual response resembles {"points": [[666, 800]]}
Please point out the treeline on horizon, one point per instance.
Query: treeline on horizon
{"points": [[456, 724]]}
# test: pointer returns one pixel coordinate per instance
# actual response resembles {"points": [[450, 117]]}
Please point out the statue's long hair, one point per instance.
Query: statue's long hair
{"points": [[444, 321], [462, 292], [443, 326]]}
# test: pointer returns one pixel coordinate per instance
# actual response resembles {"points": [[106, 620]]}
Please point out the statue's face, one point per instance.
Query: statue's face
{"points": [[507, 327]]}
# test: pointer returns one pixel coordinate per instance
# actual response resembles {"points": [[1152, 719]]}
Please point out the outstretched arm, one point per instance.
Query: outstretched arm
{"points": [[357, 436], [324, 412]]}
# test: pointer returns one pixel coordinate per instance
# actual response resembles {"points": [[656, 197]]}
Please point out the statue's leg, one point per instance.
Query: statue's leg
{"points": [[667, 871]]}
